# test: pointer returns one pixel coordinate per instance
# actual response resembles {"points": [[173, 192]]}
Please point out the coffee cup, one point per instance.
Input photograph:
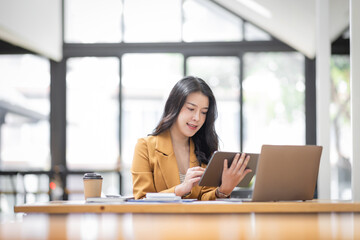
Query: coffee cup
{"points": [[92, 185]]}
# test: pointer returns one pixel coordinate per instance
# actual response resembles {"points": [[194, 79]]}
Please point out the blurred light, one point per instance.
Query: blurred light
{"points": [[52, 185]]}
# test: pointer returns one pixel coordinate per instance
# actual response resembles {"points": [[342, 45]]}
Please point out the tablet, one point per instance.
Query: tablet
{"points": [[213, 171]]}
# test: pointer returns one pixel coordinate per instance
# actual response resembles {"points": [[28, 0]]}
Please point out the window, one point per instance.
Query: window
{"points": [[92, 21], [274, 93], [205, 21], [146, 82], [144, 93], [112, 21], [253, 33], [340, 128], [222, 75], [92, 113], [24, 112], [152, 21]]}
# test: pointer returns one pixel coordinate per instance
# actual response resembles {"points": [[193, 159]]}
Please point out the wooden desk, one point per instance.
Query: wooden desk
{"points": [[183, 226], [315, 206]]}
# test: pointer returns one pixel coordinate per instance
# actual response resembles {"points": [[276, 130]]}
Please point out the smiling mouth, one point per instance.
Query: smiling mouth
{"points": [[191, 126]]}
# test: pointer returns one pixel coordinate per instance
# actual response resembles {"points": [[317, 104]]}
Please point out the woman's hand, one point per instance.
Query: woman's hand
{"points": [[192, 178], [232, 175]]}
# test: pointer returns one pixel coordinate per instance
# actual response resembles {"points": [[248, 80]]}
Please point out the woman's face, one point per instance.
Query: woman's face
{"points": [[192, 115]]}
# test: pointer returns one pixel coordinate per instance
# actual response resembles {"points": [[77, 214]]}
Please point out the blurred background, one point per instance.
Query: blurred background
{"points": [[82, 108]]}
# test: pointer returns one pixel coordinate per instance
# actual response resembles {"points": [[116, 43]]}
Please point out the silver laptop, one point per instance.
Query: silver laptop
{"points": [[286, 173]]}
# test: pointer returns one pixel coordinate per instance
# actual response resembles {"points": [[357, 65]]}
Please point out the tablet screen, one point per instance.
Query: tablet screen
{"points": [[213, 171]]}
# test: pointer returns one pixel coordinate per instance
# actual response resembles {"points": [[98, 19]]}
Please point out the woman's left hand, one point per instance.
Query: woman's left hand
{"points": [[232, 175]]}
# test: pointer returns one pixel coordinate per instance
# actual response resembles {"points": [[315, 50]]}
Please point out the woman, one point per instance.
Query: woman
{"points": [[173, 158]]}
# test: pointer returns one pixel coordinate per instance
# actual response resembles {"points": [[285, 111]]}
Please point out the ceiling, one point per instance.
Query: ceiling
{"points": [[291, 21]]}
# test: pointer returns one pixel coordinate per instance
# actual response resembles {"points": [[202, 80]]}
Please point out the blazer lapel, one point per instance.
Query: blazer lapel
{"points": [[166, 159]]}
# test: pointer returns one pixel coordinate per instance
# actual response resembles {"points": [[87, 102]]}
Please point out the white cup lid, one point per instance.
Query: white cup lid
{"points": [[92, 176]]}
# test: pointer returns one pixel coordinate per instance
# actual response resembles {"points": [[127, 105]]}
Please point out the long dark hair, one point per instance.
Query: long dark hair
{"points": [[205, 140]]}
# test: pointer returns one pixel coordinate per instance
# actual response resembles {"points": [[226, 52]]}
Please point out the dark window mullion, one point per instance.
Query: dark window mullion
{"points": [[241, 78], [120, 120]]}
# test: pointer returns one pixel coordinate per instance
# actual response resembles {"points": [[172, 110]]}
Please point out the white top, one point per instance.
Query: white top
{"points": [[182, 177]]}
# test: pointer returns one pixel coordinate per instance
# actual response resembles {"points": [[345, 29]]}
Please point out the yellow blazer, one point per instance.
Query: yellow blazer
{"points": [[154, 168]]}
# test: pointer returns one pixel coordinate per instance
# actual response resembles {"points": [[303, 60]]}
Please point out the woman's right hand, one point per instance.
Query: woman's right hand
{"points": [[232, 175], [192, 178]]}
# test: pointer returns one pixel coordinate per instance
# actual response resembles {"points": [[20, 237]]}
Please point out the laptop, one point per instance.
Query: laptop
{"points": [[285, 173]]}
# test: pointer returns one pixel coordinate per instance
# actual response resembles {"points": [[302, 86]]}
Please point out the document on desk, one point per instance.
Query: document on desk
{"points": [[212, 202], [109, 199], [162, 198]]}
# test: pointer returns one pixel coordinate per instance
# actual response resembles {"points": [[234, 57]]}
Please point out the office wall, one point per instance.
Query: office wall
{"points": [[35, 25]]}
